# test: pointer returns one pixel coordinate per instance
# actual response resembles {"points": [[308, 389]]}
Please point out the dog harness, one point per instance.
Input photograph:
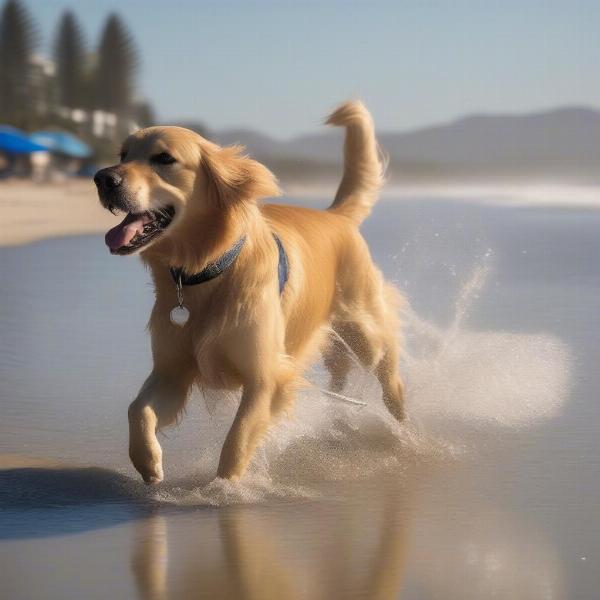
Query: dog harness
{"points": [[215, 269]]}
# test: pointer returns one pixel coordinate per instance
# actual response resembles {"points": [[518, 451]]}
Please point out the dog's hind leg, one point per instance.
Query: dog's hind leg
{"points": [[377, 350], [388, 367], [387, 372], [338, 362], [160, 400]]}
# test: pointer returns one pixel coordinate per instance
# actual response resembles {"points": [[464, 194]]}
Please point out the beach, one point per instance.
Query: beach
{"points": [[32, 211], [488, 490]]}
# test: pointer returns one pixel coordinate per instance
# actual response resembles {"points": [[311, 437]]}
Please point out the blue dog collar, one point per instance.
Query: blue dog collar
{"points": [[215, 269]]}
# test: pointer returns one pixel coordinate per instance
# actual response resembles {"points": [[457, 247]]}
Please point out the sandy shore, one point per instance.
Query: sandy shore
{"points": [[20, 461], [32, 212]]}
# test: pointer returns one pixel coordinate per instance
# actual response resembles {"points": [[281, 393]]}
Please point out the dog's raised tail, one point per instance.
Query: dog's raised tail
{"points": [[363, 168]]}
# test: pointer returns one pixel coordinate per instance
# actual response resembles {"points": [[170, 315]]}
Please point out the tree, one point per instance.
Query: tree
{"points": [[70, 58], [17, 42], [116, 68]]}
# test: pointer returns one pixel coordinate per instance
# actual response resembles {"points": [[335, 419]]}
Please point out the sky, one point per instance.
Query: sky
{"points": [[280, 66]]}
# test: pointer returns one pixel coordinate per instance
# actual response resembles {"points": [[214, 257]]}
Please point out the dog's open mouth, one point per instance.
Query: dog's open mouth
{"points": [[138, 229]]}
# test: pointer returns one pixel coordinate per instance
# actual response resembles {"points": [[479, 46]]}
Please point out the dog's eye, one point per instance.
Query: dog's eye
{"points": [[164, 158]]}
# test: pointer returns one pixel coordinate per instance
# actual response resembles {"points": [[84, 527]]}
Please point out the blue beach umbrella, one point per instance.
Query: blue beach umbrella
{"points": [[63, 142], [14, 141]]}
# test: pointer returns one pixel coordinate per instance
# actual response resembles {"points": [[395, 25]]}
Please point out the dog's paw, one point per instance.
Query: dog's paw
{"points": [[151, 474], [148, 462], [152, 479]]}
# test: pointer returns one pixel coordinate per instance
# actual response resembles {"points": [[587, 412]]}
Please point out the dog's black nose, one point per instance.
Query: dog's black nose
{"points": [[107, 179]]}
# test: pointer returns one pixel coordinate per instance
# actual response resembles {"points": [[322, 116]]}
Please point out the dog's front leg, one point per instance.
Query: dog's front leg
{"points": [[250, 424], [157, 405]]}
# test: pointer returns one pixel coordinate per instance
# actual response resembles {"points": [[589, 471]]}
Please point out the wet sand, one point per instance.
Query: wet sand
{"points": [[489, 490]]}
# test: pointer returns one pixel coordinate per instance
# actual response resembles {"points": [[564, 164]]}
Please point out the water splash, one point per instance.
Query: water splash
{"points": [[455, 377], [500, 377]]}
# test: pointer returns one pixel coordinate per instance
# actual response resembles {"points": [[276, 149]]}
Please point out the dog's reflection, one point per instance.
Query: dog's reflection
{"points": [[379, 545], [150, 557], [273, 554]]}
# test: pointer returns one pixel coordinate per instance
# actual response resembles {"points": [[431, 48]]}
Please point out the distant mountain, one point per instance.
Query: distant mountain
{"points": [[258, 144], [563, 141], [561, 137]]}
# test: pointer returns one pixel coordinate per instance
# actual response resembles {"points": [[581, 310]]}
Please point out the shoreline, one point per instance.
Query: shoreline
{"points": [[32, 212], [509, 193]]}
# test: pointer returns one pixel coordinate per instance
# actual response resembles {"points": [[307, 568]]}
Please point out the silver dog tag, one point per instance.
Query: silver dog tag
{"points": [[179, 316]]}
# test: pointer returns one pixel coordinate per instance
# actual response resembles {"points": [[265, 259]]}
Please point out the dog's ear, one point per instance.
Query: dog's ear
{"points": [[233, 177]]}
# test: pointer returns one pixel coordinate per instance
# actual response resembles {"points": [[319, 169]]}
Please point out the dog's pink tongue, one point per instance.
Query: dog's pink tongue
{"points": [[126, 230]]}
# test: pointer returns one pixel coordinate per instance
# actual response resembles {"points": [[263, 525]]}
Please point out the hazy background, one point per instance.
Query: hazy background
{"points": [[278, 66], [468, 90]]}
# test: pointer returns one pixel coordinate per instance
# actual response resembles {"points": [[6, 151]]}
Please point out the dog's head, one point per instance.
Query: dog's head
{"points": [[169, 176]]}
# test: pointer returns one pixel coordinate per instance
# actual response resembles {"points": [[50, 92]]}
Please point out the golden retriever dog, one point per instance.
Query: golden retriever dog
{"points": [[247, 293]]}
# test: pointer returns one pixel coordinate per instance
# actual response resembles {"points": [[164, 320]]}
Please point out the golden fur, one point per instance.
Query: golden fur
{"points": [[241, 332]]}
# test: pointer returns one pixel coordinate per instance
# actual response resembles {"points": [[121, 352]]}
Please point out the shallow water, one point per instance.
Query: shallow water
{"points": [[489, 490]]}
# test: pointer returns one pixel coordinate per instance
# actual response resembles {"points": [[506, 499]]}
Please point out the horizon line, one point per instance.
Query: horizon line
{"points": [[183, 121]]}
